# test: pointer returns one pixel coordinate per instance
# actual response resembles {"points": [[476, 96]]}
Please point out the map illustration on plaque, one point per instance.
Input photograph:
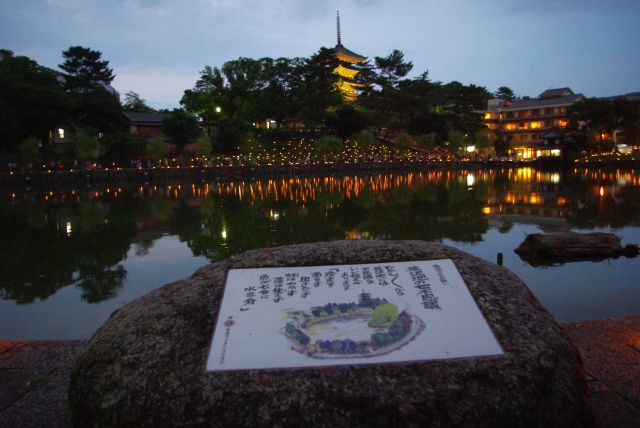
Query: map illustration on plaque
{"points": [[367, 328], [373, 313]]}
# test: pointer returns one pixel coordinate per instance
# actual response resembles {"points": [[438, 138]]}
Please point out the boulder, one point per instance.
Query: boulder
{"points": [[541, 249], [146, 365]]}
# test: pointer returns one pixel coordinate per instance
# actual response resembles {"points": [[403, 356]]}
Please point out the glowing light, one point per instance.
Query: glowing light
{"points": [[471, 149], [471, 180], [224, 233], [68, 228], [601, 191], [61, 133]]}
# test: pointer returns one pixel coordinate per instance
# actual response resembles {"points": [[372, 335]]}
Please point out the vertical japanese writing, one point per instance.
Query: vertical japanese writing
{"points": [[440, 273], [264, 284], [345, 280], [291, 283], [329, 277], [317, 277], [380, 276], [367, 275], [421, 282], [393, 275], [278, 283], [304, 286], [355, 276], [249, 298]]}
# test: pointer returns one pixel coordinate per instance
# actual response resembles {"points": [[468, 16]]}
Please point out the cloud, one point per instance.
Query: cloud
{"points": [[161, 88], [553, 7]]}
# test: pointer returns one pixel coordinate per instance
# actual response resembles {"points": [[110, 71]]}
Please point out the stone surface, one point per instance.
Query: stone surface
{"points": [[146, 365], [34, 382], [611, 352], [541, 249]]}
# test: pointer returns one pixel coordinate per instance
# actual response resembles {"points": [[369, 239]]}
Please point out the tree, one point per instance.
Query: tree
{"points": [[203, 145], [229, 134], [181, 128], [87, 144], [484, 141], [30, 149], [505, 93], [156, 148], [122, 145], [346, 120], [595, 118], [134, 103], [366, 139], [327, 145], [84, 69], [87, 79], [32, 101], [315, 89], [428, 141]]}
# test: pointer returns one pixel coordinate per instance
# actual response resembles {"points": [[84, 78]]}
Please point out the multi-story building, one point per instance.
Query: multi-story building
{"points": [[345, 69], [533, 127]]}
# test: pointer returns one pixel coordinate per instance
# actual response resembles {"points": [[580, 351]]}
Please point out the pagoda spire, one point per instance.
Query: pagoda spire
{"points": [[338, 26]]}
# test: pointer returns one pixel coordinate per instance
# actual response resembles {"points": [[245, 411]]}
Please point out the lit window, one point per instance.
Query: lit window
{"points": [[510, 126], [562, 123], [535, 125], [61, 133], [487, 115]]}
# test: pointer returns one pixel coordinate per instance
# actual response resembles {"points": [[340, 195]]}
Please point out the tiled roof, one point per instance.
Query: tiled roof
{"points": [[344, 51], [556, 93], [541, 103], [140, 117]]}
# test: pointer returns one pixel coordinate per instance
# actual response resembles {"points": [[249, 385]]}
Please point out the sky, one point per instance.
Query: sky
{"points": [[158, 47]]}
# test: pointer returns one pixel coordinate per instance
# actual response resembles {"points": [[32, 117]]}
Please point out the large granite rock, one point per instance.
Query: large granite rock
{"points": [[146, 365]]}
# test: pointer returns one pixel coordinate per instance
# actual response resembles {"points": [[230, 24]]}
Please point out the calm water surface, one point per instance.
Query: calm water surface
{"points": [[69, 258]]}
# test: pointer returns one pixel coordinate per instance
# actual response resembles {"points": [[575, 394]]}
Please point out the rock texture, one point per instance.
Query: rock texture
{"points": [[146, 365], [540, 249]]}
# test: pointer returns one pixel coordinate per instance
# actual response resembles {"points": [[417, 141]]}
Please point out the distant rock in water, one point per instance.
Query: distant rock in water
{"points": [[541, 249]]}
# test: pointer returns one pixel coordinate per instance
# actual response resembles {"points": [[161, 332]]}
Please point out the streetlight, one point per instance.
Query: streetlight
{"points": [[218, 109]]}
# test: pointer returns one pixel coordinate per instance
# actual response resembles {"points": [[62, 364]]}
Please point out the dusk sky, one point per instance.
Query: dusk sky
{"points": [[158, 47]]}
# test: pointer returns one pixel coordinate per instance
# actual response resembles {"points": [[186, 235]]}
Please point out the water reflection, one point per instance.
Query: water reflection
{"points": [[82, 237]]}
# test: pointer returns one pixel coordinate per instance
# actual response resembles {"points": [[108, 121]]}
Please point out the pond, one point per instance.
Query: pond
{"points": [[70, 257]]}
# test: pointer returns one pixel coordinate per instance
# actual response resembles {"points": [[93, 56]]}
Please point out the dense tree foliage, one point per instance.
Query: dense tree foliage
{"points": [[505, 93], [181, 128], [593, 120], [87, 79], [133, 102], [32, 102]]}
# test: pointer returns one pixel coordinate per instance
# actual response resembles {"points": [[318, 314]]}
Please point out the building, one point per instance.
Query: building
{"points": [[144, 125], [345, 69], [533, 127]]}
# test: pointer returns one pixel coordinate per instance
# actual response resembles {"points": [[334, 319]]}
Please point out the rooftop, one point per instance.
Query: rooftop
{"points": [[144, 117], [339, 49]]}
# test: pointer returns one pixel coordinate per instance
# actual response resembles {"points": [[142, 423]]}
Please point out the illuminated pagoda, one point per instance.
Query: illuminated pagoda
{"points": [[345, 70]]}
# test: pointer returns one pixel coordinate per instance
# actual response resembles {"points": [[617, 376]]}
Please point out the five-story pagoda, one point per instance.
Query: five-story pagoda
{"points": [[345, 69]]}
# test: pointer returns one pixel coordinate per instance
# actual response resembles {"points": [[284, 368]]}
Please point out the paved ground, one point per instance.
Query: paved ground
{"points": [[34, 379], [610, 352], [34, 376]]}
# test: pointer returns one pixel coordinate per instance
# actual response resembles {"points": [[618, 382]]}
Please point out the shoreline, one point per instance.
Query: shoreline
{"points": [[37, 179]]}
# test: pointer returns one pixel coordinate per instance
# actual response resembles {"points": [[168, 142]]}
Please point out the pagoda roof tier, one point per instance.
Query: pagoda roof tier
{"points": [[351, 81], [341, 50], [347, 65]]}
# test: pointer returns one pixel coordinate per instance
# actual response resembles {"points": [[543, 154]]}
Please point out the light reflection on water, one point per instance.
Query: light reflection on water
{"points": [[70, 258]]}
